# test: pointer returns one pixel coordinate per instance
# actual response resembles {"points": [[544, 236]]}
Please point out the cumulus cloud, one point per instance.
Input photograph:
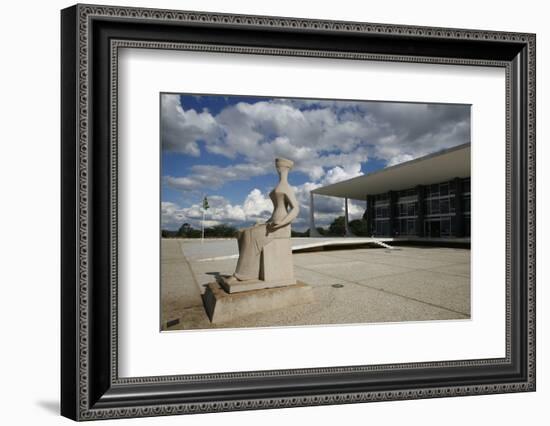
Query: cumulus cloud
{"points": [[183, 130], [326, 208], [172, 215], [399, 158], [313, 138], [213, 177], [410, 130], [315, 134], [257, 208], [339, 174], [329, 141]]}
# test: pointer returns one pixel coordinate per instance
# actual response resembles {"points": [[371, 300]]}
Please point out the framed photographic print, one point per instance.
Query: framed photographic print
{"points": [[263, 212]]}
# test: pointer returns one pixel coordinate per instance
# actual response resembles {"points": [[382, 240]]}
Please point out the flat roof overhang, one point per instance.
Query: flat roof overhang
{"points": [[434, 168]]}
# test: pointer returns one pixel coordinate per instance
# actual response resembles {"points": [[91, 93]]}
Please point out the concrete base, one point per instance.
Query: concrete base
{"points": [[248, 285], [223, 307]]}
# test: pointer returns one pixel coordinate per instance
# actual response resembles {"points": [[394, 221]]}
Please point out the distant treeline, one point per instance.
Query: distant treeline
{"points": [[335, 229], [187, 231]]}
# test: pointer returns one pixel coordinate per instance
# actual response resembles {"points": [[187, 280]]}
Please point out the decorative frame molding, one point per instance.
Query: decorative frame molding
{"points": [[91, 37]]}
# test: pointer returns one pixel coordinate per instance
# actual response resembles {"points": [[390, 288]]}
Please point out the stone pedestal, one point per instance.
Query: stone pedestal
{"points": [[276, 263], [276, 269], [222, 306], [232, 286]]}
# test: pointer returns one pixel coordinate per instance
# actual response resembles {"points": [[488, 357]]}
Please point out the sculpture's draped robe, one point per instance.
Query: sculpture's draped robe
{"points": [[252, 240]]}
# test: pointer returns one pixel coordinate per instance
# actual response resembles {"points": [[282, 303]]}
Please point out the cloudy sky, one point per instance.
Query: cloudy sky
{"points": [[224, 147]]}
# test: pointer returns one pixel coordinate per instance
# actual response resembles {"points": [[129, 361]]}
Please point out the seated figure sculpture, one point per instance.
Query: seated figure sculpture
{"points": [[265, 250]]}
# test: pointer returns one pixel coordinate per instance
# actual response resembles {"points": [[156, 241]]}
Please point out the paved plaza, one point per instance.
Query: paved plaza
{"points": [[350, 285]]}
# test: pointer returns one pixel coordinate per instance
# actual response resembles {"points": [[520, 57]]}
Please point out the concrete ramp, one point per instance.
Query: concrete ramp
{"points": [[180, 293], [214, 250], [383, 244]]}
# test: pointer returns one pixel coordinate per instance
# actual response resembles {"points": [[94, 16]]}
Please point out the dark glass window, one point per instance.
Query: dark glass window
{"points": [[411, 226], [444, 189], [407, 227], [452, 187], [382, 227], [445, 227], [407, 209], [467, 204], [466, 185], [467, 229], [444, 206], [381, 211]]}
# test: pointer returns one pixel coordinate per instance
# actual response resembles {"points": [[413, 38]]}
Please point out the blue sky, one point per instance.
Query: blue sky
{"points": [[224, 147]]}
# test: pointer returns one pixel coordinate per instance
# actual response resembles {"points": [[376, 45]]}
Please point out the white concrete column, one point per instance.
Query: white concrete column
{"points": [[346, 227], [347, 232], [312, 229]]}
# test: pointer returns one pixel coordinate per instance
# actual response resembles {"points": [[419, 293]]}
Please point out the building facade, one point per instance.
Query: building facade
{"points": [[433, 211], [428, 197]]}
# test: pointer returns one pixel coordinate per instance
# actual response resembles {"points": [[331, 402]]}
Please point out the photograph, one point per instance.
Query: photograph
{"points": [[272, 208], [285, 211]]}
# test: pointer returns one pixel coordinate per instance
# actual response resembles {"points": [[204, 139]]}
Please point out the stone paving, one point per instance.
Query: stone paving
{"points": [[362, 285]]}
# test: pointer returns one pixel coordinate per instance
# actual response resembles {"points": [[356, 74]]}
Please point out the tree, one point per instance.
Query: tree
{"points": [[184, 230], [359, 227], [299, 234], [220, 231], [337, 227], [194, 233], [169, 234]]}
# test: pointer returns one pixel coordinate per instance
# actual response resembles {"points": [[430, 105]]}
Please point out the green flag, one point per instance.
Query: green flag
{"points": [[205, 205]]}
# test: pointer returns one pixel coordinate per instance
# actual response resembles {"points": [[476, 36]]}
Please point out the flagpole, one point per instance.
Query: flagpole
{"points": [[205, 207], [202, 223]]}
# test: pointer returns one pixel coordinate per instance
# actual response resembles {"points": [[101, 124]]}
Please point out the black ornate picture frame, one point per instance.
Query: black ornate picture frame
{"points": [[91, 387]]}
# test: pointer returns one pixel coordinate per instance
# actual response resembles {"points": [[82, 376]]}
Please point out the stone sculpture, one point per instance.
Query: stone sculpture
{"points": [[264, 277], [265, 250]]}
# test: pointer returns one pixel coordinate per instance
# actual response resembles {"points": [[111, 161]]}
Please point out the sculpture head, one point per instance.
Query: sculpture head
{"points": [[283, 163]]}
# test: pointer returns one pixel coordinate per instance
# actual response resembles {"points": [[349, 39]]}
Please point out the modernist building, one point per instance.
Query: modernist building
{"points": [[427, 197]]}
